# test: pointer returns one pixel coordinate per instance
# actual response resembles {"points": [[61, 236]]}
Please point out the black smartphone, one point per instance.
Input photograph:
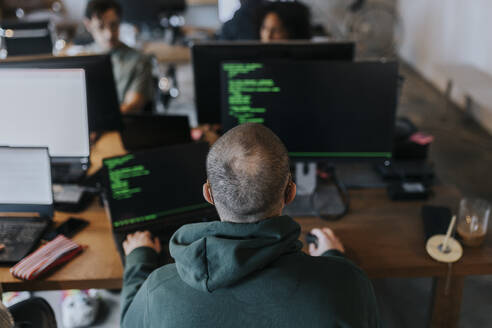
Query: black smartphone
{"points": [[436, 220], [69, 228]]}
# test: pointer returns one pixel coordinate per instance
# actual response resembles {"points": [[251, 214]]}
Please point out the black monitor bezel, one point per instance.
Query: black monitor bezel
{"points": [[208, 106]]}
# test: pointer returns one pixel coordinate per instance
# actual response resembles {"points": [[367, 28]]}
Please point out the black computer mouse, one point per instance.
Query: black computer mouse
{"points": [[311, 239]]}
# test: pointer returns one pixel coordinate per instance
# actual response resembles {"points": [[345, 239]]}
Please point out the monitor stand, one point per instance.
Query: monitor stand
{"points": [[315, 197]]}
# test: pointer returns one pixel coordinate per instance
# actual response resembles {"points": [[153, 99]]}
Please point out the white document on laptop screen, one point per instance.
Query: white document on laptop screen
{"points": [[44, 108], [25, 176]]}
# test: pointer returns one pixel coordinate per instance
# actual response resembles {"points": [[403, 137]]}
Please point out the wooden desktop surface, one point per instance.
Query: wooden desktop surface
{"points": [[384, 238], [98, 266]]}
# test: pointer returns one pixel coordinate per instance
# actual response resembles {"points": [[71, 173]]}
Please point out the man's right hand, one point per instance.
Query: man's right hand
{"points": [[326, 241], [141, 239]]}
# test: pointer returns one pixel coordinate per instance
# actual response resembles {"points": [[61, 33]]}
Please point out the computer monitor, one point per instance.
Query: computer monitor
{"points": [[144, 131], [26, 38], [321, 110], [102, 98], [207, 57], [143, 187], [150, 12], [45, 108]]}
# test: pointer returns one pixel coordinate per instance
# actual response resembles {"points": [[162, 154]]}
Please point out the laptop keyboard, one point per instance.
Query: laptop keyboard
{"points": [[19, 235], [19, 232]]}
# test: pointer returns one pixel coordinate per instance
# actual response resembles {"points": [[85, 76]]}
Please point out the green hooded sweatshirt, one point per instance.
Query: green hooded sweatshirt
{"points": [[245, 275]]}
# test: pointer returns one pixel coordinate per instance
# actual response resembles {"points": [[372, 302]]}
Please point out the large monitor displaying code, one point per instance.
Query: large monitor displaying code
{"points": [[156, 184], [321, 110]]}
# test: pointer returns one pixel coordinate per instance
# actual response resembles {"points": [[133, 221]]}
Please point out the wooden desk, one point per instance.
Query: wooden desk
{"points": [[99, 266], [385, 238]]}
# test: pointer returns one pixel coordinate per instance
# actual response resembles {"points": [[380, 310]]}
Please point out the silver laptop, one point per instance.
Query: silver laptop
{"points": [[26, 200]]}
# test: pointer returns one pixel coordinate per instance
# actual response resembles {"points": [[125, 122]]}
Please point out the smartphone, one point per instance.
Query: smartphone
{"points": [[69, 228], [436, 220]]}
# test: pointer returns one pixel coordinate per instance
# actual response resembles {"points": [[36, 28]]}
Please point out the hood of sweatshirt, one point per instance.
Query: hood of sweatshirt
{"points": [[217, 254]]}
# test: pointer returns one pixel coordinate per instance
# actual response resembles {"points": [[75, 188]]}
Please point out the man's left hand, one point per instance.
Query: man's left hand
{"points": [[141, 239]]}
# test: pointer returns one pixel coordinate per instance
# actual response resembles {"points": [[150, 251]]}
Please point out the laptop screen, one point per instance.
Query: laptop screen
{"points": [[25, 176], [45, 108], [145, 187]]}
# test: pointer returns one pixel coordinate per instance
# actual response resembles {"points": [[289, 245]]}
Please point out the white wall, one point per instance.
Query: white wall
{"points": [[439, 31]]}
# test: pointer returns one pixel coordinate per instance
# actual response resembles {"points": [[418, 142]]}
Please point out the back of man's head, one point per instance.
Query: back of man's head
{"points": [[96, 8], [248, 172]]}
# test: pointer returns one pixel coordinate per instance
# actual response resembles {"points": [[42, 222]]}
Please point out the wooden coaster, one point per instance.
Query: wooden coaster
{"points": [[454, 250]]}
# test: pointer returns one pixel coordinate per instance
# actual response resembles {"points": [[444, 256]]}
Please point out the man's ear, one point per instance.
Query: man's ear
{"points": [[207, 193], [290, 192]]}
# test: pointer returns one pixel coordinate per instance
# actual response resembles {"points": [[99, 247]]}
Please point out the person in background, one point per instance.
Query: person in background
{"points": [[242, 26], [280, 21], [132, 69]]}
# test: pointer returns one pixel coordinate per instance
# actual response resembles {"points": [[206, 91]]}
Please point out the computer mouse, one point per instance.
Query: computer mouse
{"points": [[311, 239]]}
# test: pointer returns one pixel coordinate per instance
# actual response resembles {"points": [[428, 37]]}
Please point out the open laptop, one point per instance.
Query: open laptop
{"points": [[146, 131], [26, 200], [47, 108], [157, 190]]}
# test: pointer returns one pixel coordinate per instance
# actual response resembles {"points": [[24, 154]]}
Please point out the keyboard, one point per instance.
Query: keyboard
{"points": [[163, 235], [19, 235]]}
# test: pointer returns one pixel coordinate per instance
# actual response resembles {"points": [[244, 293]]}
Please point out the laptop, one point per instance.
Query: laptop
{"points": [[146, 131], [26, 200], [47, 108], [157, 190]]}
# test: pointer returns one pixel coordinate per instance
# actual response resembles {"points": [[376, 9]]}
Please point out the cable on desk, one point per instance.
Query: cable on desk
{"points": [[326, 173]]}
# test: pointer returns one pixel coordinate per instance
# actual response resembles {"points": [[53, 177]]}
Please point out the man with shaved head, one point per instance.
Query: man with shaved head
{"points": [[247, 270]]}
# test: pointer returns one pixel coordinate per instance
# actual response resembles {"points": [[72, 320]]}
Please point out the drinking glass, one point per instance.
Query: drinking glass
{"points": [[473, 219]]}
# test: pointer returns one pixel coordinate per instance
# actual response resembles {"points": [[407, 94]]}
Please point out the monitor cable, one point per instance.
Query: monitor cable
{"points": [[327, 175]]}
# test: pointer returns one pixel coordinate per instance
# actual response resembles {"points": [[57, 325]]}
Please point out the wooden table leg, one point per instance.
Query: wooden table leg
{"points": [[446, 303]]}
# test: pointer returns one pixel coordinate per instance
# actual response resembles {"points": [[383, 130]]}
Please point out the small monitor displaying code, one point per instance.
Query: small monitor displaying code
{"points": [[155, 184], [318, 109]]}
